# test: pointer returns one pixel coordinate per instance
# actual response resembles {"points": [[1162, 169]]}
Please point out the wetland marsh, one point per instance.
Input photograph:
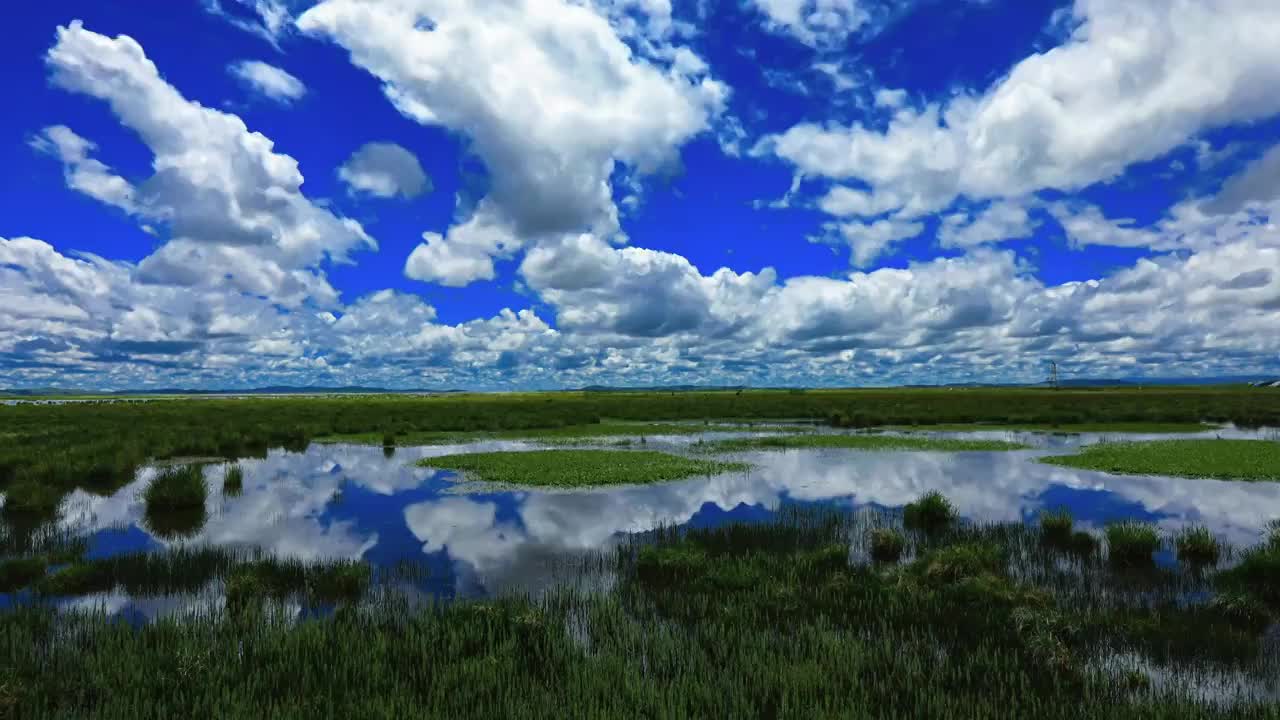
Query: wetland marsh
{"points": [[697, 566]]}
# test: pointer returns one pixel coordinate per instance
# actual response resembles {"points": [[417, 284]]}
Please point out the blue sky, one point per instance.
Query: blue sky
{"points": [[543, 193]]}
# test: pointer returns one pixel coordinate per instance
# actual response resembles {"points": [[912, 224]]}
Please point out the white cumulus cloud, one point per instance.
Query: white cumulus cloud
{"points": [[269, 81]]}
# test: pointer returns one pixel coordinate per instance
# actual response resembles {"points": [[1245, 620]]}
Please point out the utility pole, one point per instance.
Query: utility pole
{"points": [[1053, 374]]}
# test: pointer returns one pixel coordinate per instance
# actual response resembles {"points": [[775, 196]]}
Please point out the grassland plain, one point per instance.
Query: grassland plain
{"points": [[775, 619], [48, 450], [1152, 428], [855, 442], [579, 468], [566, 434], [1257, 460]]}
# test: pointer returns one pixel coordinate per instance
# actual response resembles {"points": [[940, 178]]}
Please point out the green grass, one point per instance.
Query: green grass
{"points": [[931, 513], [52, 449], [233, 481], [578, 468], [1198, 547], [1132, 544], [565, 435], [1257, 574], [856, 442], [249, 576], [1221, 459], [764, 619], [17, 573], [1056, 527], [1067, 428], [176, 488], [887, 545], [175, 502]]}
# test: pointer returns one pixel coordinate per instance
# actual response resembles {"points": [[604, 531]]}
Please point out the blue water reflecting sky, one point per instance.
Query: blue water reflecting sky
{"points": [[349, 502]]}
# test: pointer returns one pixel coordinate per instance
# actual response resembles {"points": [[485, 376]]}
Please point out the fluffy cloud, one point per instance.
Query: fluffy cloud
{"points": [[636, 315], [85, 174], [550, 96], [1258, 183], [268, 80], [868, 241], [232, 205], [268, 19], [385, 170], [815, 22], [996, 223], [1133, 81]]}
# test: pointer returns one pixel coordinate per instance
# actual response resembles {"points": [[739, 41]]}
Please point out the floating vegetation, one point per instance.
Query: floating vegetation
{"points": [[1132, 544], [579, 468], [1149, 428], [1222, 459], [931, 513], [857, 442]]}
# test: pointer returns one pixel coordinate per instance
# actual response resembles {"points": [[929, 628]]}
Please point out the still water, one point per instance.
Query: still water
{"points": [[358, 502]]}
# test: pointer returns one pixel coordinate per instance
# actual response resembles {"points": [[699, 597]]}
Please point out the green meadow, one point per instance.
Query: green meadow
{"points": [[578, 468], [1257, 460], [857, 442]]}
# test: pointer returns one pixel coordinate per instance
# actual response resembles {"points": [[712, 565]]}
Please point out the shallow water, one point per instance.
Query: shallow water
{"points": [[354, 502]]}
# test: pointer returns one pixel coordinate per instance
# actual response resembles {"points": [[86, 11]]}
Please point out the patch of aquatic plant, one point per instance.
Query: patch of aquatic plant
{"points": [[174, 502], [233, 481], [594, 433], [1257, 574], [249, 583], [176, 488], [578, 468], [1223, 459], [1151, 428], [48, 540], [1056, 526], [30, 500], [249, 576], [178, 524], [932, 513], [887, 545], [1132, 544], [1197, 547], [857, 442], [17, 573]]}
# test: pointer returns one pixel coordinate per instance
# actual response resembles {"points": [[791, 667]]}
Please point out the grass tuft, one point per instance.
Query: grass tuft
{"points": [[1056, 527], [233, 481], [579, 468], [176, 488], [887, 545], [1198, 547], [17, 573], [931, 513], [1132, 544]]}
